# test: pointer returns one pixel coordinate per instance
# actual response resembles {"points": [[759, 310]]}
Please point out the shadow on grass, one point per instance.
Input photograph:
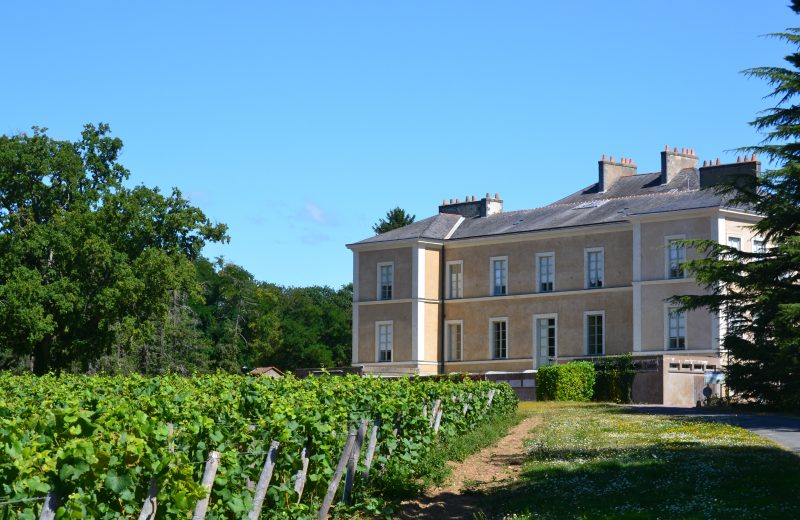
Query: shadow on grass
{"points": [[678, 480]]}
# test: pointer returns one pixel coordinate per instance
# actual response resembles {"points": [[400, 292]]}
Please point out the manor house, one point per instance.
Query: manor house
{"points": [[477, 289]]}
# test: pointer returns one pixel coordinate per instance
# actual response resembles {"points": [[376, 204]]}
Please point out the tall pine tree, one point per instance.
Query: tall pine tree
{"points": [[758, 294]]}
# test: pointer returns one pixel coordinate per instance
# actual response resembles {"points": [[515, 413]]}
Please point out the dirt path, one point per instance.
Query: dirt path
{"points": [[491, 467]]}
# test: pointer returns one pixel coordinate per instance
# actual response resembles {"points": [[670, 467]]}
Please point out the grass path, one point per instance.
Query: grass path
{"points": [[490, 468]]}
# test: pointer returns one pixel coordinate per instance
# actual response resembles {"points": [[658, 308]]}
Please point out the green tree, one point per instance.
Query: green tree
{"points": [[395, 218], [758, 294], [86, 263]]}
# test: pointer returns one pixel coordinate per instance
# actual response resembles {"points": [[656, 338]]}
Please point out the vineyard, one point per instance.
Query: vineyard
{"points": [[112, 447]]}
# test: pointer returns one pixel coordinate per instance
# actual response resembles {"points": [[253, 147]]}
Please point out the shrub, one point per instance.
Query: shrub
{"points": [[570, 382], [614, 381]]}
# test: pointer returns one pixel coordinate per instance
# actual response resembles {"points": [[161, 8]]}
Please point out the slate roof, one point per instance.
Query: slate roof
{"points": [[436, 227], [635, 195]]}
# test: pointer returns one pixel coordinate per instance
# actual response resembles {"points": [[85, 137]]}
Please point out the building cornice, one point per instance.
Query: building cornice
{"points": [[396, 244]]}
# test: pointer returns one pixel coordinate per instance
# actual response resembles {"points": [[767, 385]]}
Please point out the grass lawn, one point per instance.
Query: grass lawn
{"points": [[604, 461]]}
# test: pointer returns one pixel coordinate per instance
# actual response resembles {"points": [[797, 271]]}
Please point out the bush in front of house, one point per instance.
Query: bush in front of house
{"points": [[569, 382], [614, 380]]}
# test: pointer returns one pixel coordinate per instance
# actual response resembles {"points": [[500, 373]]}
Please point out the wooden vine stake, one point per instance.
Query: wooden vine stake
{"points": [[49, 507], [263, 480], [466, 408], [150, 506], [209, 474], [491, 396], [434, 411], [337, 476], [353, 461], [438, 420], [300, 478], [373, 441]]}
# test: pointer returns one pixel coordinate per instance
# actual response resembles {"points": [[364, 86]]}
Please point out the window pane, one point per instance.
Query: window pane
{"points": [[454, 341], [594, 265], [386, 281], [735, 242], [676, 331], [500, 277], [677, 255], [594, 334], [499, 339], [546, 273], [384, 342], [455, 280]]}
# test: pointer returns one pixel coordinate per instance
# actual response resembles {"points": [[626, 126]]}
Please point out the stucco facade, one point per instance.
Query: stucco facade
{"points": [[474, 289]]}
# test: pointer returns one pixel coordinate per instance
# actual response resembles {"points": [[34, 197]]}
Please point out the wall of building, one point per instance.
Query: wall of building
{"points": [[569, 261], [432, 289], [616, 303], [399, 314], [742, 229], [368, 272], [432, 331], [654, 302], [653, 244]]}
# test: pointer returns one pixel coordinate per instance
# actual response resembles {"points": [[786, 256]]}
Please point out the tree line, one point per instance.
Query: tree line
{"points": [[96, 276]]}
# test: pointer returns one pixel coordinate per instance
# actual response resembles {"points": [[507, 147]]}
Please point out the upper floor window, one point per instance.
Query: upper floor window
{"points": [[594, 333], [499, 275], [455, 279], [735, 242], [676, 329], [676, 256], [384, 332], [594, 267], [453, 340], [545, 272], [498, 336], [759, 246], [385, 280]]}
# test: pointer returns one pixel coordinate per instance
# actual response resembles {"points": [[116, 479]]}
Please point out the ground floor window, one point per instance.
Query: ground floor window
{"points": [[676, 329], [453, 340], [595, 334], [498, 332], [384, 338], [545, 339]]}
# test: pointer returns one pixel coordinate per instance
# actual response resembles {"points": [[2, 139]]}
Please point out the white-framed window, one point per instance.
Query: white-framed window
{"points": [[385, 280], [498, 338], [735, 242], [545, 272], [545, 338], [759, 245], [594, 271], [498, 275], [594, 335], [455, 279], [454, 339], [675, 256], [384, 341], [675, 328]]}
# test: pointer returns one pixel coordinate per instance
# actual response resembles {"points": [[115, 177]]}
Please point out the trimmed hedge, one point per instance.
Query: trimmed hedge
{"points": [[570, 382], [614, 382]]}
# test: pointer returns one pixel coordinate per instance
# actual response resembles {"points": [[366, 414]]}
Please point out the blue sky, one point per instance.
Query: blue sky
{"points": [[299, 124]]}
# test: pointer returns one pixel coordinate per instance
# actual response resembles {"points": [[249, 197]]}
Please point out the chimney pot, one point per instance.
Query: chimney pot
{"points": [[705, 163], [604, 157], [497, 196], [451, 201], [754, 157], [611, 158], [718, 163], [675, 150], [666, 147], [458, 201], [487, 195], [444, 202]]}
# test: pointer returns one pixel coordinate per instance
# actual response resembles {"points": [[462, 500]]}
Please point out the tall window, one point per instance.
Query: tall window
{"points": [[384, 336], [759, 246], [676, 255], [546, 271], [453, 341], [385, 281], [546, 340], [676, 329], [594, 268], [735, 242], [499, 276], [455, 280], [499, 338], [594, 334]]}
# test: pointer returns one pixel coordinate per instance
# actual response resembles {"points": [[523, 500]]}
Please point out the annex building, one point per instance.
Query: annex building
{"points": [[476, 289]]}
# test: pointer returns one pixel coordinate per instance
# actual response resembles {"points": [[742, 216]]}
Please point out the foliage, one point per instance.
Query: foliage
{"points": [[606, 461], [86, 262], [614, 379], [99, 440], [568, 382], [395, 218], [758, 293]]}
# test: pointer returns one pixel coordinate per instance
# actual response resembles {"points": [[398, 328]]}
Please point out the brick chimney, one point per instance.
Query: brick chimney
{"points": [[673, 162], [472, 208], [610, 171], [717, 173]]}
